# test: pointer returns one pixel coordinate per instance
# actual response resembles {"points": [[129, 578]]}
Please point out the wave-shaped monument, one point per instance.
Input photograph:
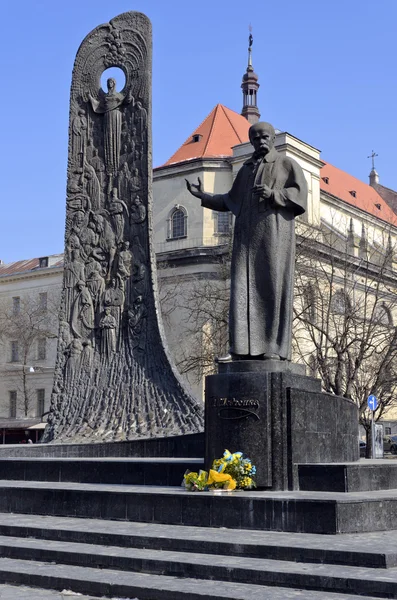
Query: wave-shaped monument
{"points": [[114, 379]]}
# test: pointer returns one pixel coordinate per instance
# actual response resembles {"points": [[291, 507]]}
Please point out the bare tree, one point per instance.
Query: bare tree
{"points": [[343, 317], [26, 323], [201, 304]]}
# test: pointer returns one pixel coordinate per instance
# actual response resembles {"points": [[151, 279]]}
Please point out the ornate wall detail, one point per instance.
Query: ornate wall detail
{"points": [[113, 377]]}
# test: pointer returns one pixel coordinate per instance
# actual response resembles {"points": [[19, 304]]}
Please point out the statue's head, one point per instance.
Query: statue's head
{"points": [[111, 83], [79, 218], [262, 136], [126, 245]]}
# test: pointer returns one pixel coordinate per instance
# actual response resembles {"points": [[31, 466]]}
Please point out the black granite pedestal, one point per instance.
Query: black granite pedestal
{"points": [[279, 417]]}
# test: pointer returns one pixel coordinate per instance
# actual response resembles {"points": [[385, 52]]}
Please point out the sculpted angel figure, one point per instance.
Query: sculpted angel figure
{"points": [[109, 105]]}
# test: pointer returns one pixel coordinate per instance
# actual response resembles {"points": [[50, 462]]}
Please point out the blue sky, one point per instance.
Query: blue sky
{"points": [[327, 74]]}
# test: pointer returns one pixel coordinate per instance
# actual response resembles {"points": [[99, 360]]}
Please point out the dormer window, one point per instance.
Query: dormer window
{"points": [[378, 206], [43, 262], [353, 193], [197, 137], [325, 179]]}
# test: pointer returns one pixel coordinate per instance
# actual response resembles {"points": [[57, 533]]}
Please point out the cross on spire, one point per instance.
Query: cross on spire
{"points": [[250, 42], [373, 159]]}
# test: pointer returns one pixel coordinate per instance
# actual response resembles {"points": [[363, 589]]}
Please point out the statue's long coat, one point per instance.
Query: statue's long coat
{"points": [[263, 259]]}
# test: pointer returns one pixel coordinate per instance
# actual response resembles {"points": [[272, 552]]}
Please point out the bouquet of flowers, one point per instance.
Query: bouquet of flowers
{"points": [[195, 482], [230, 472]]}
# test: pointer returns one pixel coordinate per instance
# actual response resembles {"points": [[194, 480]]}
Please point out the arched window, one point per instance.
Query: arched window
{"points": [[177, 223], [340, 303], [382, 315]]}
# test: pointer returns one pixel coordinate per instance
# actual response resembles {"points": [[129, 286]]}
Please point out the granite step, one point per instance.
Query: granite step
{"points": [[363, 476], [122, 471], [375, 550], [191, 444], [11, 592], [301, 512], [237, 569], [111, 583]]}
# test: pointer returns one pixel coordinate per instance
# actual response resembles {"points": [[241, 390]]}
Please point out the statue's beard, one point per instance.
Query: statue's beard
{"points": [[261, 152]]}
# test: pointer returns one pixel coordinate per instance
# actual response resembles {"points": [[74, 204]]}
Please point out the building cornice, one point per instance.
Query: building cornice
{"points": [[35, 274], [191, 165]]}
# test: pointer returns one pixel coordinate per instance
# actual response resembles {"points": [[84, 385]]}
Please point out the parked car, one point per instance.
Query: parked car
{"points": [[363, 447], [390, 443]]}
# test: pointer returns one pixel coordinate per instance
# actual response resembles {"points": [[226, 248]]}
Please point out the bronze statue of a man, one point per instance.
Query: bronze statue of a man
{"points": [[269, 191]]}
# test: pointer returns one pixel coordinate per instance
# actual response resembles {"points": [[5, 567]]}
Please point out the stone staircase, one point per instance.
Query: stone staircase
{"points": [[85, 525]]}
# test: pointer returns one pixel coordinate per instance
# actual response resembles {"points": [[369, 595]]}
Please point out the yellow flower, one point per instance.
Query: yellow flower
{"points": [[215, 477], [230, 485]]}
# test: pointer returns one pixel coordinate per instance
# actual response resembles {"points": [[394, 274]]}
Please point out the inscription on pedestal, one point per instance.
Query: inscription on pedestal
{"points": [[235, 408]]}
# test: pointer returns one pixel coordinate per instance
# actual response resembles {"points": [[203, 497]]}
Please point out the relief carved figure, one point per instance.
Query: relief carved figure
{"points": [[124, 180], [114, 300], [136, 316], [83, 312], [107, 246], [74, 272], [95, 282], [73, 362], [79, 129], [93, 187], [138, 211], [109, 105], [125, 261], [108, 334], [97, 162], [116, 209], [136, 183]]}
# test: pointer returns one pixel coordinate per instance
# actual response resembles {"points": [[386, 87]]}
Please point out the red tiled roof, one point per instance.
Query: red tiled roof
{"points": [[341, 184], [31, 264], [220, 131]]}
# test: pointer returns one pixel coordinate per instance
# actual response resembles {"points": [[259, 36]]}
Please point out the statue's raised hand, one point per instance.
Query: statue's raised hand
{"points": [[195, 189]]}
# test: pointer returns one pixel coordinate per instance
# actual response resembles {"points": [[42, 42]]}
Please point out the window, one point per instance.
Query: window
{"points": [[309, 303], [223, 222], [16, 305], [43, 262], [40, 402], [41, 349], [340, 303], [14, 351], [178, 223], [43, 301], [387, 430], [382, 315], [13, 404]]}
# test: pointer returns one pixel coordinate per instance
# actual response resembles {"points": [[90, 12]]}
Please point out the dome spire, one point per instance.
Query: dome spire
{"points": [[250, 87]]}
